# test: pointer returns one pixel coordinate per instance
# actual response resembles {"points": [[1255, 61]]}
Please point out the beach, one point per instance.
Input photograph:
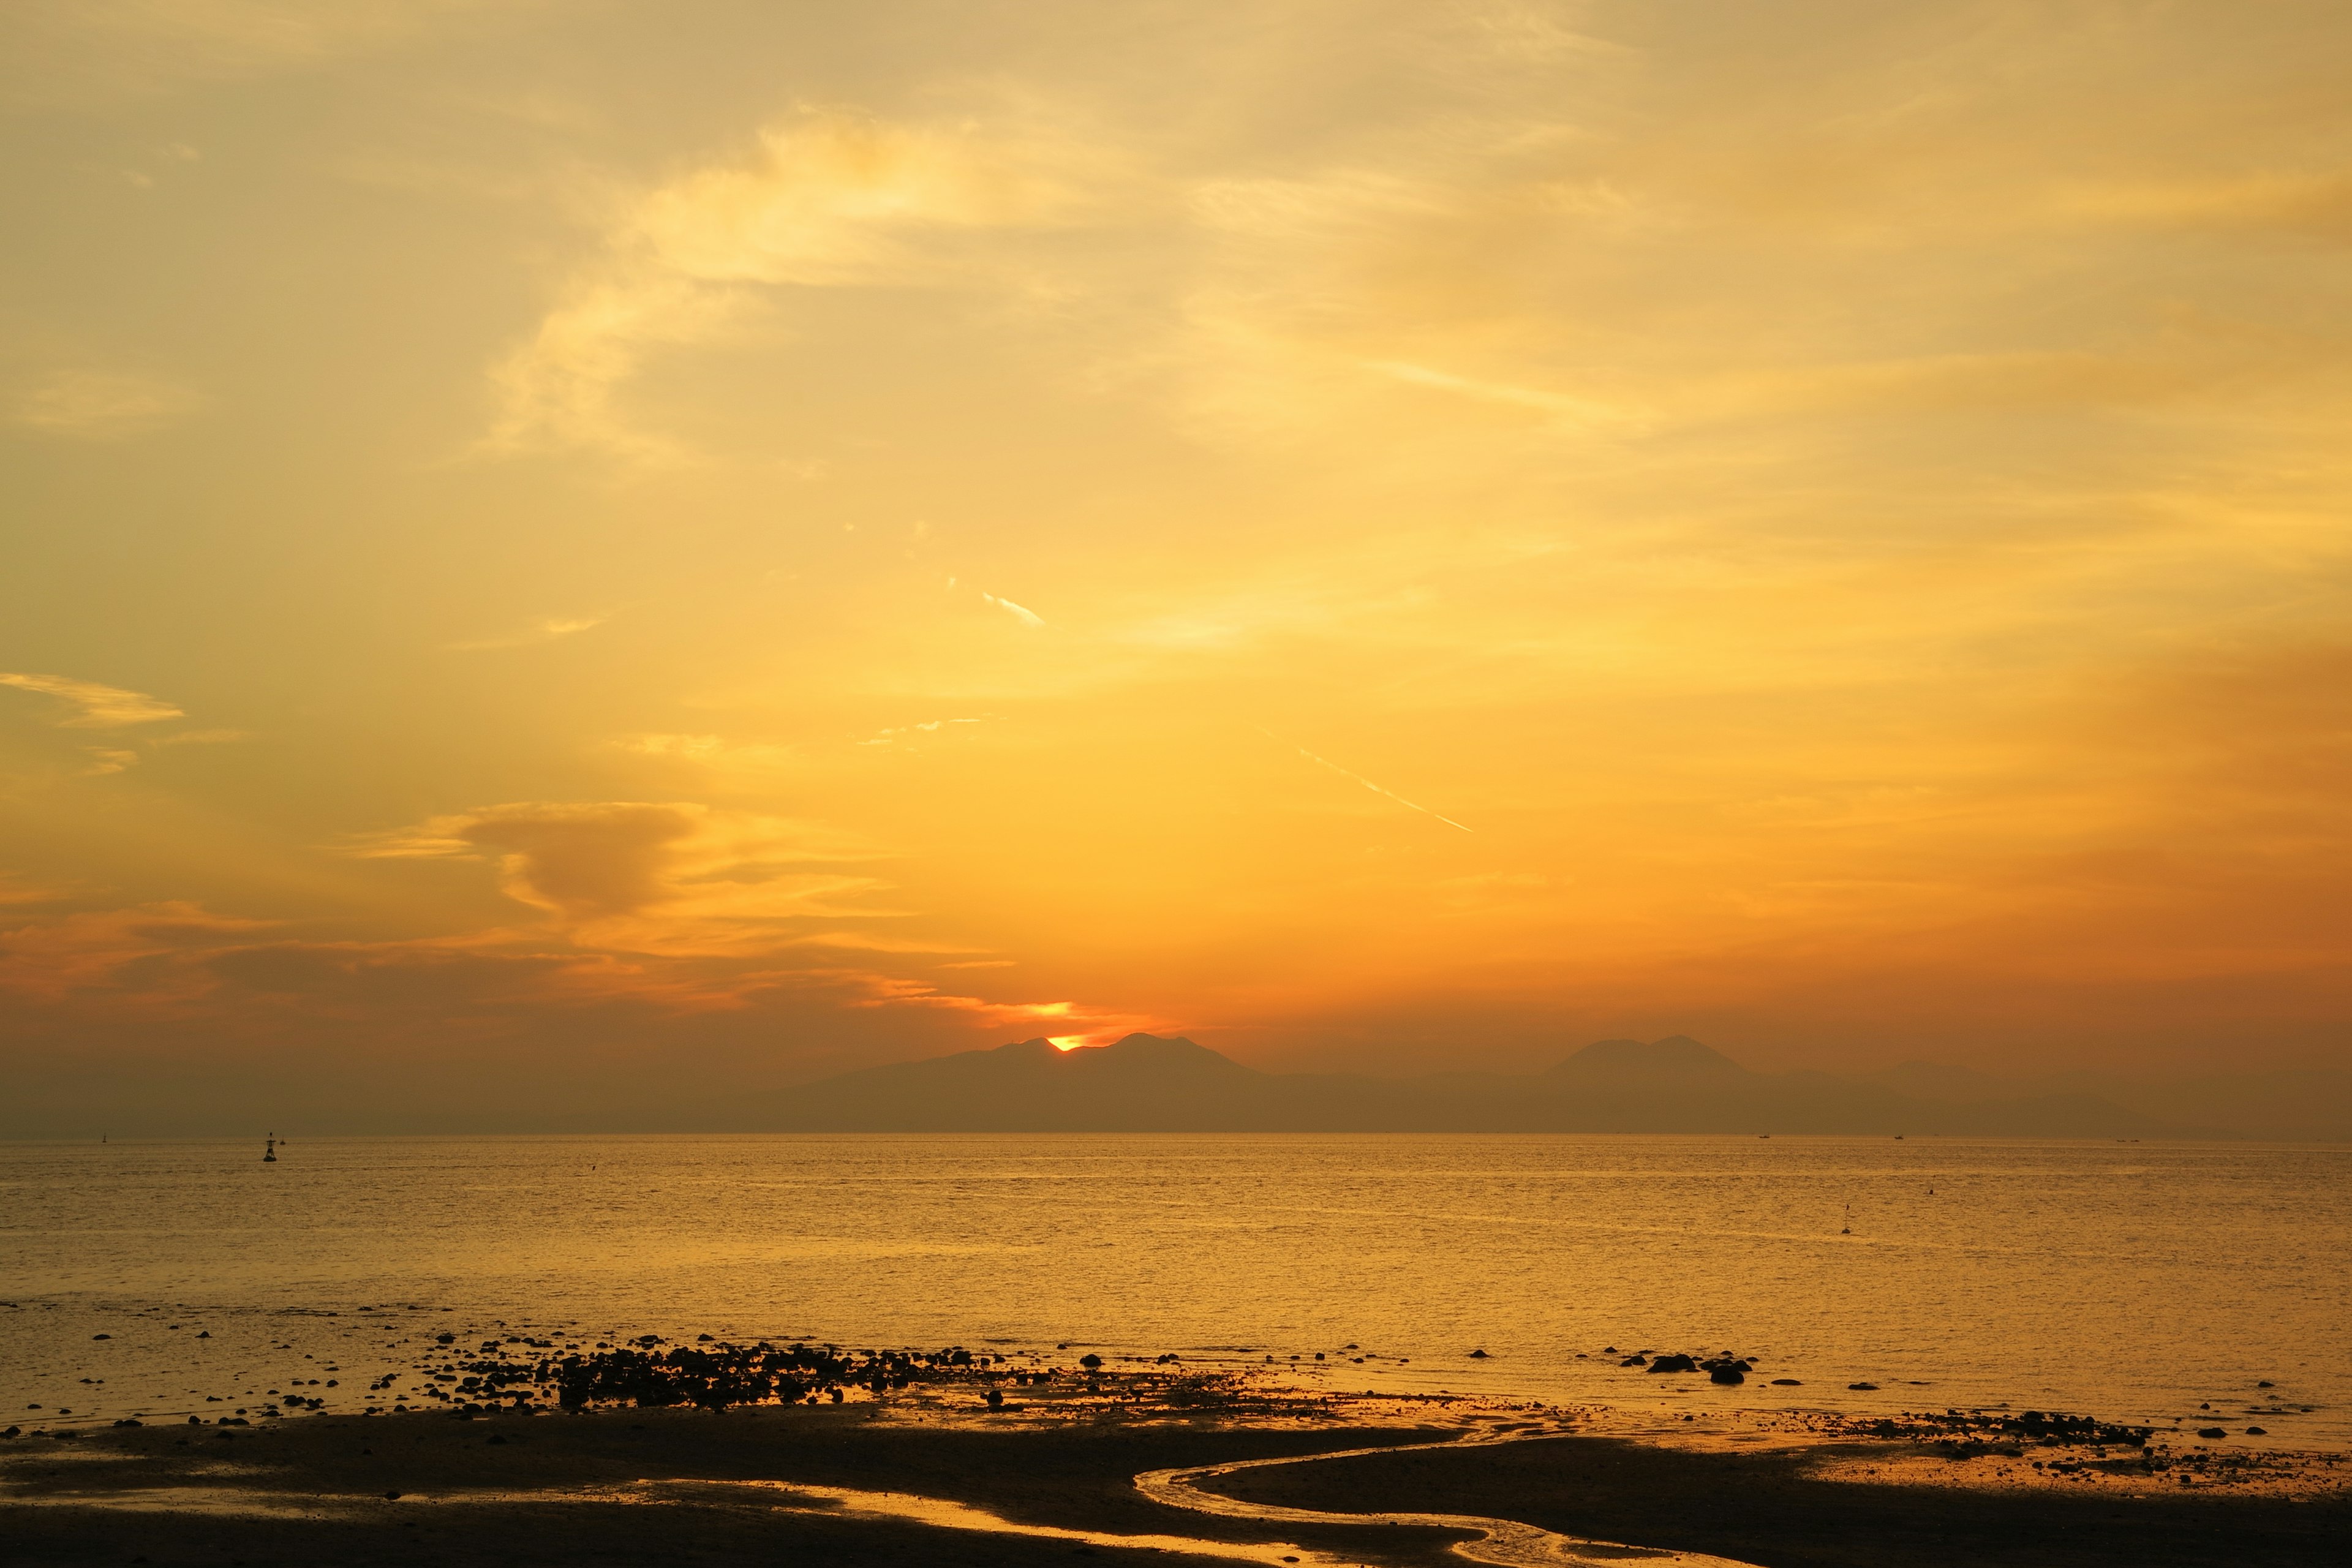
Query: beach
{"points": [[934, 1473]]}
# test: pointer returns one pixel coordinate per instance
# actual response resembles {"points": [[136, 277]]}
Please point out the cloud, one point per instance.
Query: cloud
{"points": [[929, 727], [96, 406], [542, 631], [2318, 205], [16, 889], [1360, 779], [201, 738], [825, 200], [656, 878], [98, 707], [92, 949], [898, 991], [1027, 617], [1580, 411], [711, 751]]}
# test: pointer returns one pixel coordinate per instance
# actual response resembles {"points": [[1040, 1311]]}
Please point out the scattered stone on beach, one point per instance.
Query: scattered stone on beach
{"points": [[1477, 1355], [1673, 1364], [2256, 1432], [1635, 1361], [2212, 1431], [1786, 1383], [1864, 1387], [1726, 1374]]}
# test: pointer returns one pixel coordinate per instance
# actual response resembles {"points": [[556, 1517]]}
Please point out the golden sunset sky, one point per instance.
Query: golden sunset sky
{"points": [[611, 549]]}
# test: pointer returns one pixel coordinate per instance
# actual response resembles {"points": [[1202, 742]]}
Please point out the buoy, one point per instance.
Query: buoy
{"points": [[269, 1150]]}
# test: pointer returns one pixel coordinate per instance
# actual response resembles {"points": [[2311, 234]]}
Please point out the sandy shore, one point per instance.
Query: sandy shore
{"points": [[929, 1474]]}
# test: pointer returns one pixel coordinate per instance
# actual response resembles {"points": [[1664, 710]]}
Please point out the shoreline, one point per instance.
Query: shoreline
{"points": [[1348, 1478]]}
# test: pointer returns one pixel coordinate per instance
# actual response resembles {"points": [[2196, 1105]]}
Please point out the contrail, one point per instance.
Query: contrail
{"points": [[1359, 779]]}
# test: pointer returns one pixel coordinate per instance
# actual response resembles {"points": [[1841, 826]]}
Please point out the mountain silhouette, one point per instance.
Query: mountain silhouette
{"points": [[1145, 1083], [1675, 1058]]}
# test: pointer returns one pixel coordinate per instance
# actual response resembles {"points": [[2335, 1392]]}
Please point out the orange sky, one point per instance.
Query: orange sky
{"points": [[609, 549]]}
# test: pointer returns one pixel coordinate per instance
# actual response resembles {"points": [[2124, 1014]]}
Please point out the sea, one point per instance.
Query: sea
{"points": [[2164, 1283]]}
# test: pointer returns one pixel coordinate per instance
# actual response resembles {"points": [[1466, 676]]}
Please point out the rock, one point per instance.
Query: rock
{"points": [[95, 1337], [1091, 1362], [1477, 1355], [2256, 1432], [2213, 1431], [1635, 1361], [1864, 1387], [392, 1497], [1786, 1383], [2266, 1383], [1726, 1374], [1673, 1364], [996, 1399]]}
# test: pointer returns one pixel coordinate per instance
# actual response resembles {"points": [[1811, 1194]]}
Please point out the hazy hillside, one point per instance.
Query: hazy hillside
{"points": [[2307, 1104], [1145, 1083]]}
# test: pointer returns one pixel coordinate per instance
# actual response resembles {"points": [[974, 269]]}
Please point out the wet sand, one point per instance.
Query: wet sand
{"points": [[932, 1475]]}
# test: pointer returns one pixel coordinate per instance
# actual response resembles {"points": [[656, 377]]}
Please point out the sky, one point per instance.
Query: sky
{"points": [[574, 557]]}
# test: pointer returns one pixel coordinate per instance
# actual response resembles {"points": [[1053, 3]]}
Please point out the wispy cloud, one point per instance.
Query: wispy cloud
{"points": [[1359, 778], [550, 629], [825, 199], [892, 736], [98, 406], [1027, 616], [740, 760], [96, 707], [1583, 411], [201, 738], [667, 877], [16, 889], [1091, 1023], [89, 948]]}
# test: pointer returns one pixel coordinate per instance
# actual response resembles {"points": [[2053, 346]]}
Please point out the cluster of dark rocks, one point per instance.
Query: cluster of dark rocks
{"points": [[715, 1376], [1961, 1433], [1723, 1369]]}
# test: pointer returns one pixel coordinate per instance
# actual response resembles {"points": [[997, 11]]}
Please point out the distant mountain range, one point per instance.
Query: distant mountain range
{"points": [[1145, 1083]]}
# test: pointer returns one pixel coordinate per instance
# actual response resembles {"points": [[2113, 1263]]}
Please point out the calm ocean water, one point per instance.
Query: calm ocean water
{"points": [[2126, 1280]]}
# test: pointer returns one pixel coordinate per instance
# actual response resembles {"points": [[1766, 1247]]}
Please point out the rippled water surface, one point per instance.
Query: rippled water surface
{"points": [[2127, 1280]]}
